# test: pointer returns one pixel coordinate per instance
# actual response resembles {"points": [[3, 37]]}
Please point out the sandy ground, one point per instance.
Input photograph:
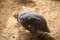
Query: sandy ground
{"points": [[10, 29]]}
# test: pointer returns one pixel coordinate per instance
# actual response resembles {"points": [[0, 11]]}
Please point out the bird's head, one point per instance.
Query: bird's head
{"points": [[15, 15]]}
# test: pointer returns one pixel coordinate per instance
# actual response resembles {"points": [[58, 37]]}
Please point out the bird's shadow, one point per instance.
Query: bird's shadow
{"points": [[42, 36], [39, 36]]}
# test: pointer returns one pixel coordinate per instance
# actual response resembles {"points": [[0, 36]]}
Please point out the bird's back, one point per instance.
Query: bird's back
{"points": [[27, 17]]}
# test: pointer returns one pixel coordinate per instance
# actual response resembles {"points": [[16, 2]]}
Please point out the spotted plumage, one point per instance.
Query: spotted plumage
{"points": [[32, 21]]}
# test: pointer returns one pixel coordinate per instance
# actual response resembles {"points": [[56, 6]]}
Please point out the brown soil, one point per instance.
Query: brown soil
{"points": [[10, 29]]}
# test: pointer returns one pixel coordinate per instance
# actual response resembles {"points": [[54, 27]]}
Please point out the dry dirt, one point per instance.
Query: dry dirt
{"points": [[10, 29]]}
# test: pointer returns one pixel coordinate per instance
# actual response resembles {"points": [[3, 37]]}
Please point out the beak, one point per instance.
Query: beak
{"points": [[14, 16]]}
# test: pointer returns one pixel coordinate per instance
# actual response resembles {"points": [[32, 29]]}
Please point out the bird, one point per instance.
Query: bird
{"points": [[32, 21]]}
